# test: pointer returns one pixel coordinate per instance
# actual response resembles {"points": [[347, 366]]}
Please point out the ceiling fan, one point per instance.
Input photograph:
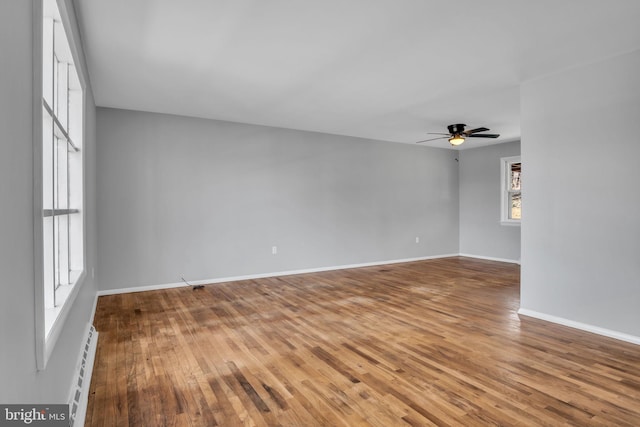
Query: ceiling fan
{"points": [[457, 134]]}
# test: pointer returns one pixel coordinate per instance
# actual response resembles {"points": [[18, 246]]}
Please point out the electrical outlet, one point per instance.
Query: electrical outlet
{"points": [[417, 239], [274, 250]]}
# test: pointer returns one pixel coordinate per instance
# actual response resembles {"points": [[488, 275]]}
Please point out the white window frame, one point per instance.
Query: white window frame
{"points": [[50, 319], [505, 177]]}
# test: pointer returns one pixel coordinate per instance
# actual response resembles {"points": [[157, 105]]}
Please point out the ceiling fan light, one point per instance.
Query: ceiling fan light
{"points": [[456, 140]]}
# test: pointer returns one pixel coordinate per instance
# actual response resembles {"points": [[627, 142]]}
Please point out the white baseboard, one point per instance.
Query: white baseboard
{"points": [[263, 275], [132, 289], [489, 258], [582, 326], [94, 308]]}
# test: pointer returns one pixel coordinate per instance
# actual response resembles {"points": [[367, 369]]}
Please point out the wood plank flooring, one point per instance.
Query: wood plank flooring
{"points": [[425, 343]]}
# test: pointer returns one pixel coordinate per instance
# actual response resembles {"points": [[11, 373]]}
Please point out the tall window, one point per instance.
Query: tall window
{"points": [[62, 169], [511, 200]]}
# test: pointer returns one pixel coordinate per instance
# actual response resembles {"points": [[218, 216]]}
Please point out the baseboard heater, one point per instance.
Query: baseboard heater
{"points": [[79, 395]]}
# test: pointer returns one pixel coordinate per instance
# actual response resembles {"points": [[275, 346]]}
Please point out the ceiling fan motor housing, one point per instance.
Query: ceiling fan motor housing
{"points": [[456, 129]]}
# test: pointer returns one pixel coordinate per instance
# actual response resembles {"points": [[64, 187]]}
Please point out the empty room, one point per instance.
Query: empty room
{"points": [[385, 213]]}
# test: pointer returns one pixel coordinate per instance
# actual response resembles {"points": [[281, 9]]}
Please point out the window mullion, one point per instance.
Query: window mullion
{"points": [[54, 84], [68, 188], [56, 225]]}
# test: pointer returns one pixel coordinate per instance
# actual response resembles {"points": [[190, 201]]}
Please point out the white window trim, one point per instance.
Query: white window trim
{"points": [[45, 343], [504, 182]]}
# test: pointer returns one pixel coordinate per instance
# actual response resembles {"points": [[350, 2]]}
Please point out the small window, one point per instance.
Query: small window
{"points": [[511, 187]]}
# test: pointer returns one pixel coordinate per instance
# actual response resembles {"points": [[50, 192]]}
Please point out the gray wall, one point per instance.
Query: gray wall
{"points": [[480, 231], [581, 228], [207, 199], [20, 382]]}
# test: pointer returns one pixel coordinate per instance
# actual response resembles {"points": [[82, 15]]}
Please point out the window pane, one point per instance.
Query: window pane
{"points": [[75, 107], [515, 205], [76, 260], [62, 100], [61, 167], [47, 61], [49, 261], [515, 176], [47, 161], [62, 249]]}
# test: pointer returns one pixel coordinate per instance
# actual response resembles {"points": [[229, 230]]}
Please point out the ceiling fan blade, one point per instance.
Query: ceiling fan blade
{"points": [[484, 135], [469, 132], [437, 133], [433, 139]]}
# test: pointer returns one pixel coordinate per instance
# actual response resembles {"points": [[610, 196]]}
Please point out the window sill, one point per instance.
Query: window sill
{"points": [[63, 294], [510, 223], [55, 317]]}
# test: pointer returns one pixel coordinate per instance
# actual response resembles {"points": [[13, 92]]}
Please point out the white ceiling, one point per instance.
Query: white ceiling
{"points": [[382, 69]]}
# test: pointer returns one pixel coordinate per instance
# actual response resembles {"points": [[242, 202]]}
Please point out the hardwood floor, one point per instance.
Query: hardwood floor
{"points": [[425, 343]]}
